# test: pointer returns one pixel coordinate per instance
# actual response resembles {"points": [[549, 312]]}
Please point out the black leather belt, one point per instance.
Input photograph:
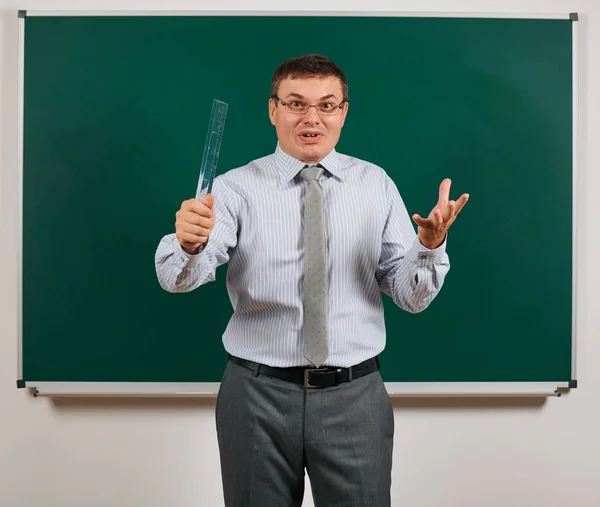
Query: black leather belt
{"points": [[326, 376]]}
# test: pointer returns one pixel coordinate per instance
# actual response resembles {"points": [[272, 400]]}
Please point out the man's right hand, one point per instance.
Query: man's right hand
{"points": [[193, 223]]}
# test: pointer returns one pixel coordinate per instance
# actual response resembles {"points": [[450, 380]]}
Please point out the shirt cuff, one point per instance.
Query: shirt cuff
{"points": [[186, 259], [427, 253]]}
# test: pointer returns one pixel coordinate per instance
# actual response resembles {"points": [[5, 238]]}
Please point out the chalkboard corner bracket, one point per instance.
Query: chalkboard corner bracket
{"points": [[564, 389], [21, 384]]}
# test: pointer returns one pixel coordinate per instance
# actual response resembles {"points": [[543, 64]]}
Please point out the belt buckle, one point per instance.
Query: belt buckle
{"points": [[306, 373]]}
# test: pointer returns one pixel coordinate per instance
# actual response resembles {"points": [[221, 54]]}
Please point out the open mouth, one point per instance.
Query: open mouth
{"points": [[310, 137]]}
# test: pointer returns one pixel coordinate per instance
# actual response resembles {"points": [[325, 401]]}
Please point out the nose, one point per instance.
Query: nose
{"points": [[312, 116]]}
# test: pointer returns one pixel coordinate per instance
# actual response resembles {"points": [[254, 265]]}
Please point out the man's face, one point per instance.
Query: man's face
{"points": [[308, 137]]}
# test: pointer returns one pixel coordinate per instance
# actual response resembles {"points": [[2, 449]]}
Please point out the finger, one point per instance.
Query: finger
{"points": [[190, 239], [462, 200], [209, 201], [433, 222], [448, 213], [444, 194], [197, 207], [193, 218], [459, 205], [193, 229], [420, 221], [433, 210], [438, 219]]}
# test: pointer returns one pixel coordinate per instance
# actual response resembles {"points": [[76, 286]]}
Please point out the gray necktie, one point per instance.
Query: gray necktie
{"points": [[316, 347]]}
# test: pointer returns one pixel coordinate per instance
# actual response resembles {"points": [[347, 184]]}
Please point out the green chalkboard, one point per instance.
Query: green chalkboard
{"points": [[115, 111]]}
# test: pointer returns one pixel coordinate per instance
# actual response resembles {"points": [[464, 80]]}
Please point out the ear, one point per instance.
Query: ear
{"points": [[272, 110], [345, 112]]}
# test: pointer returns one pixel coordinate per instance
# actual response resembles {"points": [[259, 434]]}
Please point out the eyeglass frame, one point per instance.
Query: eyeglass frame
{"points": [[337, 108]]}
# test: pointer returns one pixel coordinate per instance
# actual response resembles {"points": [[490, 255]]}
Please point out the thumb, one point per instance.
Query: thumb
{"points": [[209, 201]]}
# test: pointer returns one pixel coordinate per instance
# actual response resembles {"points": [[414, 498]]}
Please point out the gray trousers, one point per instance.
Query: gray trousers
{"points": [[269, 431]]}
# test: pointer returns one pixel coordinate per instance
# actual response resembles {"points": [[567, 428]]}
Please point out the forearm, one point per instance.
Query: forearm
{"points": [[416, 279], [178, 272]]}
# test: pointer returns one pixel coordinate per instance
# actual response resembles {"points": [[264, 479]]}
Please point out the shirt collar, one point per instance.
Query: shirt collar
{"points": [[288, 166]]}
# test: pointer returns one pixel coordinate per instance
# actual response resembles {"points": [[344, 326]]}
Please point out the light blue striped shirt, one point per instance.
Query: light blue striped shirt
{"points": [[371, 248]]}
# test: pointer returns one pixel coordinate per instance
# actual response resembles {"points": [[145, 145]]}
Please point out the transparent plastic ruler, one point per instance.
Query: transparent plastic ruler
{"points": [[216, 125]]}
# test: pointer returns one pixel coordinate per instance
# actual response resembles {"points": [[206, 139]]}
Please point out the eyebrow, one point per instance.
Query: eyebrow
{"points": [[324, 97]]}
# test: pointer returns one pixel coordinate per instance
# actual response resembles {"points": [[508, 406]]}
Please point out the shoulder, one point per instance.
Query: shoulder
{"points": [[361, 168], [245, 174], [366, 174], [237, 185]]}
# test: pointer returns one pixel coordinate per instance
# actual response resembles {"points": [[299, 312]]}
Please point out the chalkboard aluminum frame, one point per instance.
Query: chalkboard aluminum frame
{"points": [[210, 389]]}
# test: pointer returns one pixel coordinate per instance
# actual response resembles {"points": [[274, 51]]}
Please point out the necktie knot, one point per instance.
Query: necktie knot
{"points": [[310, 173]]}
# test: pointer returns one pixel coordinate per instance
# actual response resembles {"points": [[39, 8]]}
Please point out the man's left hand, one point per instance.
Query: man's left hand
{"points": [[432, 230]]}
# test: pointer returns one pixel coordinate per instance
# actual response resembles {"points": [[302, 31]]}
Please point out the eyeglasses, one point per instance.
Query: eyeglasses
{"points": [[300, 107]]}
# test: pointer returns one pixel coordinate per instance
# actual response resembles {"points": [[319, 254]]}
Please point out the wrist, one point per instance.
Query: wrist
{"points": [[432, 243], [191, 251]]}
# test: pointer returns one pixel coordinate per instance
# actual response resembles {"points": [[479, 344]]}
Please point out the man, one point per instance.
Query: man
{"points": [[312, 238]]}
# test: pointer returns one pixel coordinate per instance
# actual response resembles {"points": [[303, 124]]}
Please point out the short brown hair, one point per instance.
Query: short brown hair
{"points": [[307, 66]]}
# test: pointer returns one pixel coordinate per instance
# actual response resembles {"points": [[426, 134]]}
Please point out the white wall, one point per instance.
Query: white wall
{"points": [[475, 453]]}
